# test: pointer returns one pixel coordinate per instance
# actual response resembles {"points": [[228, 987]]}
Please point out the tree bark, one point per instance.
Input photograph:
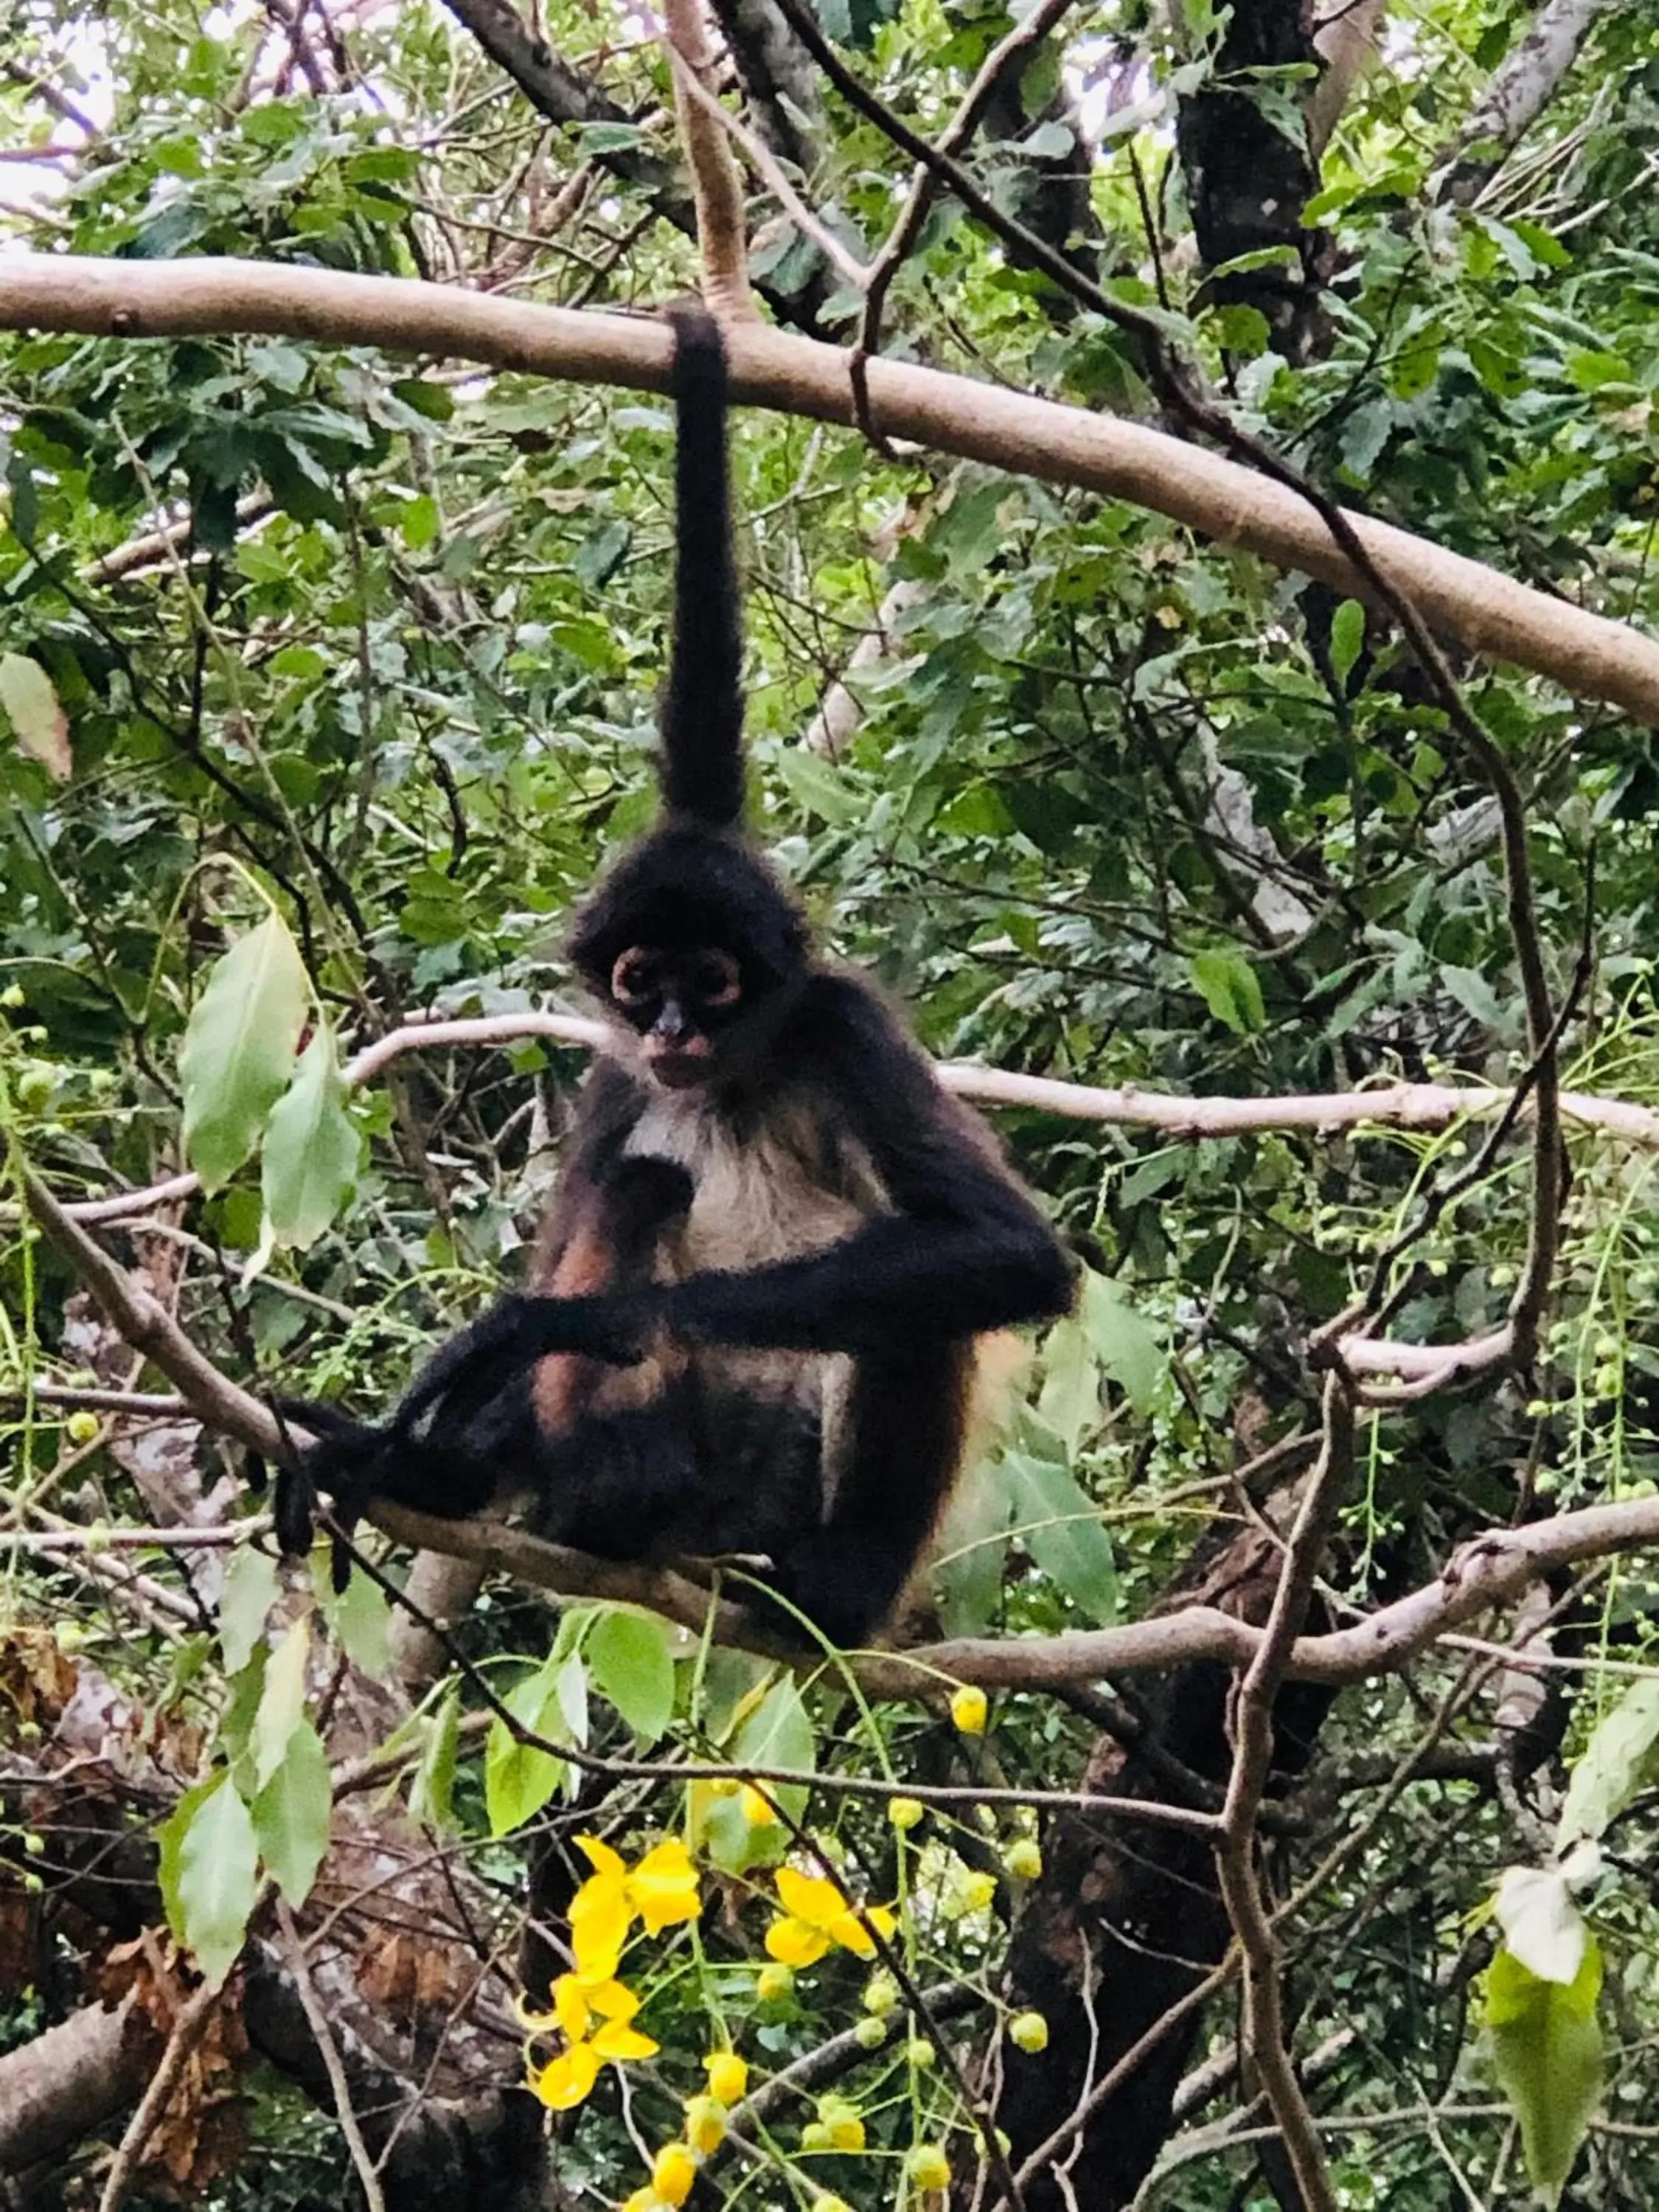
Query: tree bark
{"points": [[66, 2083], [1523, 87]]}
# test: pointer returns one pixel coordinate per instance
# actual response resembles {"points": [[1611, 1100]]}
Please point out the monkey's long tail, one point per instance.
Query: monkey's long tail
{"points": [[703, 714]]}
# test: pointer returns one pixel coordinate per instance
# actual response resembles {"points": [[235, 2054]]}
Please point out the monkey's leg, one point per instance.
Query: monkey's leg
{"points": [[901, 1449]]}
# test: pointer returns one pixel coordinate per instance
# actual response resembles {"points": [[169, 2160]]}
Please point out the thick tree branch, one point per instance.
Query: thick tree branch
{"points": [[1521, 88], [1487, 613]]}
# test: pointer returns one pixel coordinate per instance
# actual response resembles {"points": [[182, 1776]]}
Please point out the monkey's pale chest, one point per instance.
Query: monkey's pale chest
{"points": [[761, 1198]]}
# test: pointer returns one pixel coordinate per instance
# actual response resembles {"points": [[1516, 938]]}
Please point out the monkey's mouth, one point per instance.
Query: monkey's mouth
{"points": [[680, 1067]]}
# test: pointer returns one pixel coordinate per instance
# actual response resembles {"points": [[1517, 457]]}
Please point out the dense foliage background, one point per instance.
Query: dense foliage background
{"points": [[372, 645]]}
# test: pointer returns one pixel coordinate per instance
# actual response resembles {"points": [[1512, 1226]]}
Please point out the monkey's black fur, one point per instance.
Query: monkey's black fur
{"points": [[751, 1325]]}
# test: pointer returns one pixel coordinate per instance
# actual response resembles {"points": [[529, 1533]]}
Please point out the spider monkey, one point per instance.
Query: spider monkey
{"points": [[752, 1322]]}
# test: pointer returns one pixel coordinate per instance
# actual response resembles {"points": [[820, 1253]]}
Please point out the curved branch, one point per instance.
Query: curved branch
{"points": [[1488, 613]]}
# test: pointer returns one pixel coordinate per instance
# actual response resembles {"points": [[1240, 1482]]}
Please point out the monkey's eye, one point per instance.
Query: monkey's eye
{"points": [[715, 978], [633, 980]]}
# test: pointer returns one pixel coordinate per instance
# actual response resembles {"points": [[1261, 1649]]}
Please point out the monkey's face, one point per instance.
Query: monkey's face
{"points": [[682, 1004]]}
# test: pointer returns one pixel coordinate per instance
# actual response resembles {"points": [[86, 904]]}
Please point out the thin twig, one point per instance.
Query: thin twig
{"points": [[188, 2030], [329, 2051]]}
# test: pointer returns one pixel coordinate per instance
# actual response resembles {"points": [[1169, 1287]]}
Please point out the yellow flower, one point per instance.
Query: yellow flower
{"points": [[728, 2076], [643, 2200], [663, 1887], [566, 2080], [758, 1809], [830, 2204], [705, 2124], [601, 1913], [1023, 1859], [978, 1892], [817, 1915], [968, 1710], [672, 2173]]}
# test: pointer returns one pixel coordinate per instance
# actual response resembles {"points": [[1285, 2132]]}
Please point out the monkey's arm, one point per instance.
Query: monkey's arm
{"points": [[964, 1251]]}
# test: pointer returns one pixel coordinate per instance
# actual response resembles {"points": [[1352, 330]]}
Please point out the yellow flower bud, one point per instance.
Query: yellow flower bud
{"points": [[728, 2076], [815, 2136], [928, 2167], [870, 2033], [758, 1808], [672, 2173], [969, 1710], [12, 997], [830, 2204], [881, 1994], [643, 2200], [906, 1813], [82, 1426], [921, 2053], [1023, 1859], [774, 1982], [705, 2124], [1029, 2031], [978, 1892]]}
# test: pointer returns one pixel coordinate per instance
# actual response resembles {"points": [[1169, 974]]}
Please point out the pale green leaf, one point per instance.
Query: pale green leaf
{"points": [[30, 704], [282, 1701], [1230, 989], [778, 1733], [819, 788], [311, 1149], [970, 1553], [291, 1814], [629, 1660], [521, 1777], [431, 1792], [209, 1870], [1616, 1764], [1070, 1398], [239, 1050], [1061, 1526], [1125, 1345], [1547, 2050], [248, 1593], [360, 1619]]}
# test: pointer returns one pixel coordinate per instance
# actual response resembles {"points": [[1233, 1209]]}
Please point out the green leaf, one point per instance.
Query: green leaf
{"points": [[291, 1814], [432, 1791], [1347, 636], [1546, 2051], [209, 1867], [311, 1149], [360, 1619], [521, 1777], [601, 553], [777, 1734], [238, 1052], [1228, 985], [30, 704], [1125, 1344], [248, 1593], [629, 1660], [282, 1701], [1070, 1399], [1061, 1526], [972, 1551], [1615, 1765], [816, 787]]}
